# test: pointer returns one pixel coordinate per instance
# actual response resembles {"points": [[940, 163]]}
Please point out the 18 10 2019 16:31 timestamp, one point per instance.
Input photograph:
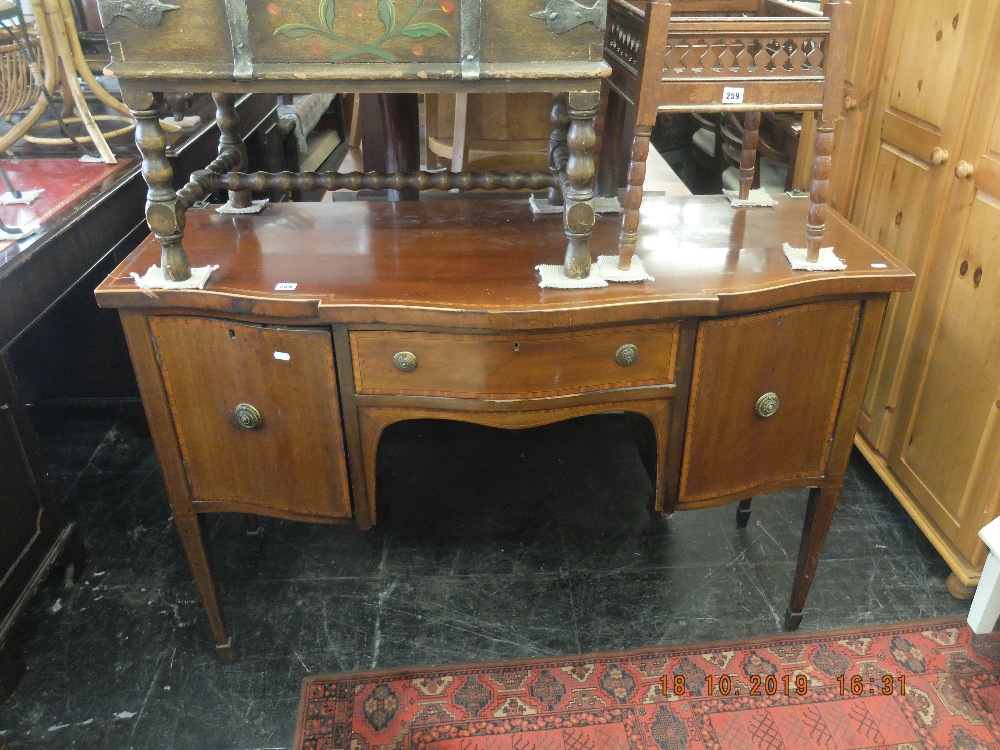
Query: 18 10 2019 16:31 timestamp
{"points": [[723, 685]]}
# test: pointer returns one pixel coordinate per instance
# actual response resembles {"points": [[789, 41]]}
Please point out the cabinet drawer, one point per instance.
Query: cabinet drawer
{"points": [[256, 413], [792, 363], [512, 366]]}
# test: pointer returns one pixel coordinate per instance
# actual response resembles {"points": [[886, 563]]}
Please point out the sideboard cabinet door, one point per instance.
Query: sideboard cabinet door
{"points": [[256, 413], [765, 393]]}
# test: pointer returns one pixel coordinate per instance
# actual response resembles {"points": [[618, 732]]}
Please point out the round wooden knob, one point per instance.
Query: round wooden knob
{"points": [[247, 416], [964, 170], [405, 361], [767, 405], [627, 354], [938, 156]]}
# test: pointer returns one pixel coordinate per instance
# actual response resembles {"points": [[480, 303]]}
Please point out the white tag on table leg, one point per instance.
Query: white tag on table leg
{"points": [[283, 356]]}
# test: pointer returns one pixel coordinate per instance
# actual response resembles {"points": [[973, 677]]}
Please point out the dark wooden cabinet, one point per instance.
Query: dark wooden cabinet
{"points": [[58, 348], [34, 535]]}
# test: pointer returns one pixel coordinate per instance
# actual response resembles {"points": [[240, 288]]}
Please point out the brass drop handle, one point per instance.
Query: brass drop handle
{"points": [[627, 354], [405, 361], [850, 104], [964, 170], [939, 156], [767, 405], [247, 416]]}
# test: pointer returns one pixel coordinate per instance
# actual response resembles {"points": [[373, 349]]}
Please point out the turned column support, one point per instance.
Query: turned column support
{"points": [[632, 200], [164, 216], [558, 146], [748, 156], [229, 138], [578, 187], [819, 191]]}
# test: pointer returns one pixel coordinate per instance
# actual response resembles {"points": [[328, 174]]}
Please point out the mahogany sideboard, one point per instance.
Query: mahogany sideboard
{"points": [[268, 390]]}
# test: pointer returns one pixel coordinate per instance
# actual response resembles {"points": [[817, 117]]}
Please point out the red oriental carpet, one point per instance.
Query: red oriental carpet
{"points": [[913, 687]]}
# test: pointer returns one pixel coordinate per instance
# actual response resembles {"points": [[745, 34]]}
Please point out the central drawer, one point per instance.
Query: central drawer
{"points": [[511, 365]]}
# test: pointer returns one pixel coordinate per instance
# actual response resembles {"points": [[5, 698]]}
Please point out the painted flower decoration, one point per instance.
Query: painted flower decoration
{"points": [[395, 24]]}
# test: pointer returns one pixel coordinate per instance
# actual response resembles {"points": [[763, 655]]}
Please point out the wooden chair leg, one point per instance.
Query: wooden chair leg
{"points": [[633, 196], [748, 156], [820, 189]]}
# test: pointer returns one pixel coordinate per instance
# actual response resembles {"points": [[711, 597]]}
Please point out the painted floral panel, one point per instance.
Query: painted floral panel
{"points": [[393, 31]]}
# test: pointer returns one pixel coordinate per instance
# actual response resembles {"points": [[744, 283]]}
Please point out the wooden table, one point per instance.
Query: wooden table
{"points": [[745, 376], [396, 46]]}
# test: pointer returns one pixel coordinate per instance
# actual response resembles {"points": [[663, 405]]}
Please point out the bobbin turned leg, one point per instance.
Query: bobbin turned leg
{"points": [[165, 218], [229, 138], [819, 191], [558, 147], [633, 196], [748, 156], [578, 187]]}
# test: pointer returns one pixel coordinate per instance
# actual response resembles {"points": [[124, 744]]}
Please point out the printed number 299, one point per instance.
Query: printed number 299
{"points": [[732, 95]]}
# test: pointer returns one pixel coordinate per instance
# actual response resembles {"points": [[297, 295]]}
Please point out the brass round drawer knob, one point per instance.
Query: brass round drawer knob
{"points": [[405, 361], [767, 405], [627, 354], [247, 416]]}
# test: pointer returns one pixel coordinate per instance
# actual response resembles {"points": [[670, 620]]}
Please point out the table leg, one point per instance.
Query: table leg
{"points": [[558, 148], [632, 201], [743, 513], [578, 187], [611, 121], [192, 537], [229, 138], [164, 216], [819, 513], [748, 156], [255, 532]]}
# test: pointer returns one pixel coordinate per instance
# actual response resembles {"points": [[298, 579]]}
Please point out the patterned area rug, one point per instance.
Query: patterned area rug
{"points": [[913, 687]]}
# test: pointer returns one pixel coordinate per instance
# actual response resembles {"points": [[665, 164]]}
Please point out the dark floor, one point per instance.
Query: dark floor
{"points": [[490, 545]]}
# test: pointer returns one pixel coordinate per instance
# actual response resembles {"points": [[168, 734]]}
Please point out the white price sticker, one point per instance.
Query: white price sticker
{"points": [[732, 95], [879, 265], [283, 356], [285, 286]]}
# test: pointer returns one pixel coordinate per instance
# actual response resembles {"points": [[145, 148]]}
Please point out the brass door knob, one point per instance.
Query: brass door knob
{"points": [[405, 361], [247, 416], [964, 170], [767, 405], [850, 104], [939, 156], [627, 354]]}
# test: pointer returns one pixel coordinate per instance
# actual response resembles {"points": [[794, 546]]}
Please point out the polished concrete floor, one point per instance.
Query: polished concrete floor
{"points": [[490, 545]]}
